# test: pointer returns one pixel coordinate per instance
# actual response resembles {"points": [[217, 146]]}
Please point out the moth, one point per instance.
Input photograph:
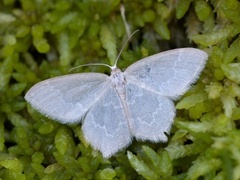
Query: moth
{"points": [[136, 103]]}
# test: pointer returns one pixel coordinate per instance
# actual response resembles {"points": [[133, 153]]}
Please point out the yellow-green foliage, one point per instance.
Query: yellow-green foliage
{"points": [[45, 38]]}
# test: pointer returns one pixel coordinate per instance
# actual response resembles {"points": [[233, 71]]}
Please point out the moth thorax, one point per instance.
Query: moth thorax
{"points": [[118, 80]]}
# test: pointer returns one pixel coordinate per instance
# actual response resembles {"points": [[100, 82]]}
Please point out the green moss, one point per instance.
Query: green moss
{"points": [[43, 39]]}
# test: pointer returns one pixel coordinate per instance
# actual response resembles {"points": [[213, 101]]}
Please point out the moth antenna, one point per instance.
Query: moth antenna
{"points": [[102, 64], [90, 64], [115, 64]]}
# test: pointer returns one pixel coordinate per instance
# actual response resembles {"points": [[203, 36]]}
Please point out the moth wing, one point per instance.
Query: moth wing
{"points": [[105, 126], [67, 98], [169, 73], [151, 114]]}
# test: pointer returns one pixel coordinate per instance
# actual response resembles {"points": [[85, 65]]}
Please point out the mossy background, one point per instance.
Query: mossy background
{"points": [[42, 39]]}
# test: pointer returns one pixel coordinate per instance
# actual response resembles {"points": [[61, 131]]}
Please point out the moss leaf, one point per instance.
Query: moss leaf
{"points": [[141, 167], [232, 71], [232, 52], [191, 100], [109, 43], [202, 9], [106, 174], [202, 166], [64, 142], [216, 36], [182, 8], [162, 29]]}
